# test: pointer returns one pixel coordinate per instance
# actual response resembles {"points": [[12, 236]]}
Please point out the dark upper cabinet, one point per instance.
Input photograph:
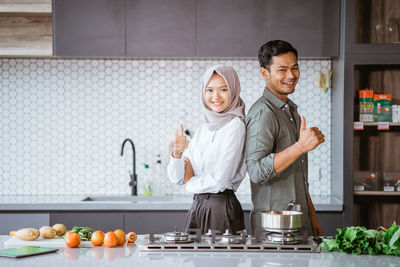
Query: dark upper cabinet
{"points": [[193, 28], [230, 28], [159, 28], [93, 28], [311, 26]]}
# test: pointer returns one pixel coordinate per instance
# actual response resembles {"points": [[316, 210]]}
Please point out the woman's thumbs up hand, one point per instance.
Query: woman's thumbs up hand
{"points": [[179, 143]]}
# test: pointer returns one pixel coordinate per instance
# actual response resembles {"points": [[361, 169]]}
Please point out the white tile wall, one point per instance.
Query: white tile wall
{"points": [[62, 121]]}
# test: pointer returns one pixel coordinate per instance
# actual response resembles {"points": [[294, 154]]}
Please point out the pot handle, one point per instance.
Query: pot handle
{"points": [[290, 205]]}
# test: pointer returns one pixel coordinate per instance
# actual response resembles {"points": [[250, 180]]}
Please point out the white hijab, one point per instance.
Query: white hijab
{"points": [[215, 120]]}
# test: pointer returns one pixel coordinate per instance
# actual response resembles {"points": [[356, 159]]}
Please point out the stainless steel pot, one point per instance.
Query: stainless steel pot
{"points": [[281, 221]]}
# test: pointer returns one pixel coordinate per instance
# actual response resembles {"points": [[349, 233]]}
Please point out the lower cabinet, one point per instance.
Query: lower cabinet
{"points": [[140, 222], [15, 221], [330, 221], [162, 221], [105, 221]]}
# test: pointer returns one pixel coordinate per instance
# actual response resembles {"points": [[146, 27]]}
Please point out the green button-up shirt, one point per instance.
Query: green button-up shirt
{"points": [[272, 126]]}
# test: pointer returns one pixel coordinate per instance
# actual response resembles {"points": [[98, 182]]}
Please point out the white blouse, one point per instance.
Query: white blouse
{"points": [[217, 158]]}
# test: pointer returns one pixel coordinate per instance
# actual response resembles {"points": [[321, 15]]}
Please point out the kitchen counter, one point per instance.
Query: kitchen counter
{"points": [[127, 203], [130, 256]]}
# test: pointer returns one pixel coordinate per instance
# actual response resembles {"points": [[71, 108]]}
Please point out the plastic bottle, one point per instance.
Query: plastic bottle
{"points": [[159, 177], [147, 190]]}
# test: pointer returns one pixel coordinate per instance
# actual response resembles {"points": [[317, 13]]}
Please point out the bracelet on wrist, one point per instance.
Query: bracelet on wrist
{"points": [[176, 155], [301, 149]]}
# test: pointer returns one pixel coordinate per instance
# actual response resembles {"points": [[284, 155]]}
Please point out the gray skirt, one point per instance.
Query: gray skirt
{"points": [[219, 211]]}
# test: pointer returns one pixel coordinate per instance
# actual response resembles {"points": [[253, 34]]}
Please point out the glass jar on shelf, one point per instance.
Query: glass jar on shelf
{"points": [[390, 180], [366, 181]]}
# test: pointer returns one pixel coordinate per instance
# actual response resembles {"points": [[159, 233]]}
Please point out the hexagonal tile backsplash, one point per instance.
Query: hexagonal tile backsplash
{"points": [[62, 121]]}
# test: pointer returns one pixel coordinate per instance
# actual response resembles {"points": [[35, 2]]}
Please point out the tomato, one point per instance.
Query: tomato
{"points": [[131, 237], [97, 238], [121, 236], [110, 240], [72, 239]]}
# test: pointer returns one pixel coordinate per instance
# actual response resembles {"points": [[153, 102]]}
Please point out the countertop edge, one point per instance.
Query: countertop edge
{"points": [[76, 203], [127, 207]]}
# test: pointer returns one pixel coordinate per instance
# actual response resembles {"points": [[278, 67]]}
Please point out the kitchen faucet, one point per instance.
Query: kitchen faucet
{"points": [[133, 182]]}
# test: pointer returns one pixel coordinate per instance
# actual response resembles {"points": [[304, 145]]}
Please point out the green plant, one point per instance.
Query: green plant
{"points": [[359, 240]]}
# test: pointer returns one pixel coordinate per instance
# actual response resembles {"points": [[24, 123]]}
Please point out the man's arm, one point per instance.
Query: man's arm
{"points": [[309, 139], [262, 127]]}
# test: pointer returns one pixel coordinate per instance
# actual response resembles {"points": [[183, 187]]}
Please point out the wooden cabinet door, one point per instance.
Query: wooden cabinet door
{"points": [[311, 26], [89, 28], [158, 28], [230, 28]]}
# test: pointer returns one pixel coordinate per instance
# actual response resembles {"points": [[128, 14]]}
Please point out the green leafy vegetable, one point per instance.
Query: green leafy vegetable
{"points": [[85, 233], [359, 240]]}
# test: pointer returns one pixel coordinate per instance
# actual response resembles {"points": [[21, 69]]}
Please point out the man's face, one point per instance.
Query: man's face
{"points": [[283, 75]]}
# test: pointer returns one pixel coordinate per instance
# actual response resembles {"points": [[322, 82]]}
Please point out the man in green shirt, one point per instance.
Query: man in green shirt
{"points": [[277, 140]]}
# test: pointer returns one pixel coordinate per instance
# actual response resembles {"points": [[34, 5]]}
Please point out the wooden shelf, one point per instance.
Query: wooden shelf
{"points": [[376, 193], [376, 123], [26, 28], [359, 127], [17, 7], [26, 36]]}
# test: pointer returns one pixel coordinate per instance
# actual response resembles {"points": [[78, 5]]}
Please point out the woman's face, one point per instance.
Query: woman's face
{"points": [[217, 96]]}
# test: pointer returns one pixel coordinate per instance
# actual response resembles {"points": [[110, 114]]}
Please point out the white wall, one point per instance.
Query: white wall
{"points": [[62, 121]]}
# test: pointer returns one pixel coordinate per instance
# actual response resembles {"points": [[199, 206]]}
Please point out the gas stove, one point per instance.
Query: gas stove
{"points": [[262, 241]]}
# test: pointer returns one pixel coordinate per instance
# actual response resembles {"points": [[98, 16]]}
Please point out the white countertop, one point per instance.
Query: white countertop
{"points": [[129, 203], [130, 256]]}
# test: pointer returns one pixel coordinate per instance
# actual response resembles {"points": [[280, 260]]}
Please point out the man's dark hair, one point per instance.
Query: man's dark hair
{"points": [[273, 48]]}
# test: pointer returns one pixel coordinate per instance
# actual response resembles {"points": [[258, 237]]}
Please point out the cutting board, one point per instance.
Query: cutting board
{"points": [[57, 242]]}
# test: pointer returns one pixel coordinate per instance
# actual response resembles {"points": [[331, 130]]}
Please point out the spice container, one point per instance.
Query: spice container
{"points": [[383, 107], [366, 101], [366, 181]]}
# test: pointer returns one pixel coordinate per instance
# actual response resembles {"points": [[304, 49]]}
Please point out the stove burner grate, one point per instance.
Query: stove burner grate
{"points": [[295, 243]]}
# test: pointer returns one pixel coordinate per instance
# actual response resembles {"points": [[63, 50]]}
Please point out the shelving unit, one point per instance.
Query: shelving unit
{"points": [[25, 6], [376, 193], [26, 28], [371, 60]]}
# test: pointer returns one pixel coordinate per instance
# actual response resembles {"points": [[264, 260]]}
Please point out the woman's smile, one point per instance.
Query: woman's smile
{"points": [[217, 95]]}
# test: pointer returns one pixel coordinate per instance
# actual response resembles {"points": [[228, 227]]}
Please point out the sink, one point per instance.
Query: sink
{"points": [[129, 198]]}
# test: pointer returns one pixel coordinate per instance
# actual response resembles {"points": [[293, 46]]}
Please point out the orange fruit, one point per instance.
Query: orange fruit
{"points": [[131, 237], [97, 238], [121, 236], [110, 240], [72, 239]]}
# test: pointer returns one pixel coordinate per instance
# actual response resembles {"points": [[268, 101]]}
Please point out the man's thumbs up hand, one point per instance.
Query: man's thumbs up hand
{"points": [[309, 138], [303, 123]]}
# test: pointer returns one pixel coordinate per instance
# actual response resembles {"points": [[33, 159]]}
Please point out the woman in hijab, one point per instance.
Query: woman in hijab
{"points": [[212, 167]]}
